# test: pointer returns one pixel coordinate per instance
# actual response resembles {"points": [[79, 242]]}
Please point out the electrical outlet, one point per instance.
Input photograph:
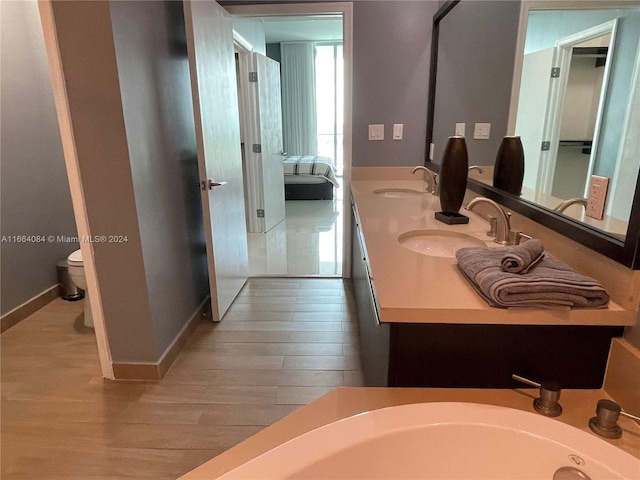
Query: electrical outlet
{"points": [[376, 132], [432, 147], [597, 197], [460, 128]]}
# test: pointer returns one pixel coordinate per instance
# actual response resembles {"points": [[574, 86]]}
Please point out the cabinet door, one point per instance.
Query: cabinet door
{"points": [[374, 337]]}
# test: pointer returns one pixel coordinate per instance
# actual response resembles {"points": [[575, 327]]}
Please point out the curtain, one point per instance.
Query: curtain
{"points": [[299, 122]]}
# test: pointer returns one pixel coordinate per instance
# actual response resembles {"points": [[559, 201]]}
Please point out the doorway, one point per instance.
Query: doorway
{"points": [[575, 104], [310, 240]]}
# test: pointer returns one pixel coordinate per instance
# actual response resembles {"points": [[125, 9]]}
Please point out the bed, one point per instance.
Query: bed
{"points": [[309, 177]]}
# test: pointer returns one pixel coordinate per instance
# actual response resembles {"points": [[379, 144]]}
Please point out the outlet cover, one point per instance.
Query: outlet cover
{"points": [[397, 131], [376, 132], [597, 197], [482, 131], [460, 128]]}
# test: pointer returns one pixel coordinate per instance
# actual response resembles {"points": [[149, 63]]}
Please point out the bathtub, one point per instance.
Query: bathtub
{"points": [[443, 441]]}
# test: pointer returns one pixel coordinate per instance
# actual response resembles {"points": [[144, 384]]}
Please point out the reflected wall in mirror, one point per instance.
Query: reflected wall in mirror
{"points": [[572, 94], [573, 122]]}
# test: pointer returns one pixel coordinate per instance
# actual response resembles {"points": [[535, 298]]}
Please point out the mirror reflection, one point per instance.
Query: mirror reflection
{"points": [[577, 112]]}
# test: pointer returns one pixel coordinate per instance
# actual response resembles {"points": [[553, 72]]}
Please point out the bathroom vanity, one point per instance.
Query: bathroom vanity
{"points": [[423, 325]]}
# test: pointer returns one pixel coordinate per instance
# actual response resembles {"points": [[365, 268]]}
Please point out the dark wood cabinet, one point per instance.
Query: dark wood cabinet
{"points": [[374, 337], [485, 356]]}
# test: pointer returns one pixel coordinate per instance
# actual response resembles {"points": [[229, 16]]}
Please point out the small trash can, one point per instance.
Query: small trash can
{"points": [[68, 290]]}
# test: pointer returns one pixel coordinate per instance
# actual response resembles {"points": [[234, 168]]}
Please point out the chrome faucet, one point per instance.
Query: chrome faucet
{"points": [[432, 179], [476, 167], [572, 201], [605, 423], [547, 403], [502, 219]]}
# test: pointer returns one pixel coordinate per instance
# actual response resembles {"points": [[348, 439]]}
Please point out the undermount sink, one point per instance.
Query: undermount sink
{"points": [[443, 440], [438, 243], [397, 192]]}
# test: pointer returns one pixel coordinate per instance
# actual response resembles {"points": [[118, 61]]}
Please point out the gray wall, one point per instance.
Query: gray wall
{"points": [[158, 113], [35, 191], [391, 55], [273, 51], [85, 41], [476, 53], [128, 92]]}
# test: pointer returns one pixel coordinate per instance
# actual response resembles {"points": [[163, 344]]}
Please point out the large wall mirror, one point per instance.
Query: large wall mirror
{"points": [[565, 77]]}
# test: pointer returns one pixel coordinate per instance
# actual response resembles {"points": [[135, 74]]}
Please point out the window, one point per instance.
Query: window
{"points": [[329, 102]]}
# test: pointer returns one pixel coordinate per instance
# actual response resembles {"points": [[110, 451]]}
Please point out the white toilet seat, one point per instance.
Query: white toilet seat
{"points": [[75, 259]]}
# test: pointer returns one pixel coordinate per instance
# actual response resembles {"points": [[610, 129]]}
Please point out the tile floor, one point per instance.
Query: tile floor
{"points": [[284, 343], [307, 242]]}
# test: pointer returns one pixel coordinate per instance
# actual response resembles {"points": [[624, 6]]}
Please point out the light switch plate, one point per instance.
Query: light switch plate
{"points": [[397, 131], [376, 132], [597, 197], [460, 128], [482, 131]]}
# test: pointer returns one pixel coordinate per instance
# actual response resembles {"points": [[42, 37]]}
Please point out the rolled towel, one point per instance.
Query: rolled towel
{"points": [[551, 285], [521, 258]]}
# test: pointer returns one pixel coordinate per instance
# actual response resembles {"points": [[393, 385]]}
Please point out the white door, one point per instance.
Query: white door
{"points": [[215, 99], [532, 111], [270, 131]]}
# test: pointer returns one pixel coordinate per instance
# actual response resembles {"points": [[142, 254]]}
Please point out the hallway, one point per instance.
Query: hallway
{"points": [[284, 343]]}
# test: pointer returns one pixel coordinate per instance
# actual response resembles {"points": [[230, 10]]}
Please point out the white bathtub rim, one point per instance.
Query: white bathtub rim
{"points": [[330, 439]]}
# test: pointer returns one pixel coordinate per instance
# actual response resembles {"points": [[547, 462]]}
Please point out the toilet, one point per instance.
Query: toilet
{"points": [[76, 273]]}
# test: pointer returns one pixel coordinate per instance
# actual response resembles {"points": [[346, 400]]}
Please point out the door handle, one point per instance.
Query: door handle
{"points": [[209, 184]]}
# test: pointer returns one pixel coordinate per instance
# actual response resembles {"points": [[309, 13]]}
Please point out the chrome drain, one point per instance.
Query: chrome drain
{"points": [[570, 473]]}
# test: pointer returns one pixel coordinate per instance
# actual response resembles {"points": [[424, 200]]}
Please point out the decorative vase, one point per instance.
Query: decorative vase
{"points": [[509, 168], [453, 179]]}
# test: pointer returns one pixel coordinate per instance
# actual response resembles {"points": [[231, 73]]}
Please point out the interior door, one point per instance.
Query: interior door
{"points": [[213, 82], [532, 110], [270, 132]]}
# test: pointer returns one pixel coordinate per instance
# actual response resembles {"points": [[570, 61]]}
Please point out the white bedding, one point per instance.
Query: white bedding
{"points": [[303, 179], [309, 169]]}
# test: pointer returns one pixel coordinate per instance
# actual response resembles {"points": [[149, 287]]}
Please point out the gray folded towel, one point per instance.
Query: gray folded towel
{"points": [[551, 284], [521, 258]]}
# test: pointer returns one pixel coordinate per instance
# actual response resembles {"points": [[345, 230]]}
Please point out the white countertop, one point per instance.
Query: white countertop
{"points": [[411, 287]]}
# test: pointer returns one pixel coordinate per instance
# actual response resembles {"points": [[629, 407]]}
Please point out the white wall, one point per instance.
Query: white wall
{"points": [[581, 99], [628, 164], [253, 31]]}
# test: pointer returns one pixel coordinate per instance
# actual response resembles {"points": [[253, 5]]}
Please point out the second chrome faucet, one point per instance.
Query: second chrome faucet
{"points": [[502, 220]]}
